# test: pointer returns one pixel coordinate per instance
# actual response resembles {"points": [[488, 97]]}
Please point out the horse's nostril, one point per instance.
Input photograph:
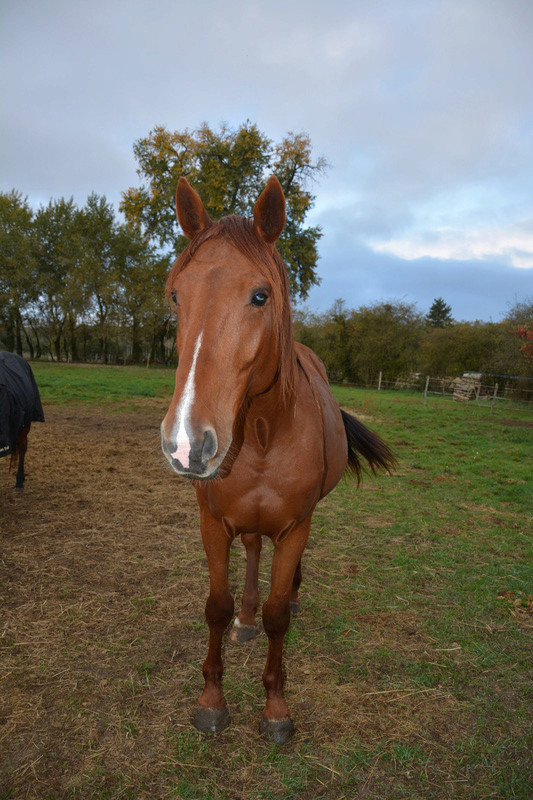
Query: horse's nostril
{"points": [[210, 445]]}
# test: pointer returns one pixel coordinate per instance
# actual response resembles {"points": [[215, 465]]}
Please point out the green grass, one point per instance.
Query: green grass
{"points": [[111, 386], [415, 632]]}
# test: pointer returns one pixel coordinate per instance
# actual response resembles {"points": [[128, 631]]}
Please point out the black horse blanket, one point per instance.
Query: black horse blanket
{"points": [[20, 403]]}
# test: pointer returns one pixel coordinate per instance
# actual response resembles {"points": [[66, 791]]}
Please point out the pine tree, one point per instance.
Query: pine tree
{"points": [[440, 314]]}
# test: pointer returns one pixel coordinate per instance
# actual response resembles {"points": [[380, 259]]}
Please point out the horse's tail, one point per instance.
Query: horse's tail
{"points": [[365, 443]]}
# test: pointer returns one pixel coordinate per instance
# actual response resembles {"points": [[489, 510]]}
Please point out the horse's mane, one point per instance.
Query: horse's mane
{"points": [[240, 232]]}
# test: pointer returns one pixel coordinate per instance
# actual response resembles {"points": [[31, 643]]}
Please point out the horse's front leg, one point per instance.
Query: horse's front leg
{"points": [[296, 582], [245, 627], [212, 713], [276, 723]]}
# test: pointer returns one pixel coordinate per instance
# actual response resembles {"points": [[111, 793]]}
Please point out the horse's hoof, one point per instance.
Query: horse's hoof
{"points": [[242, 633], [277, 730], [211, 720], [295, 608], [18, 489]]}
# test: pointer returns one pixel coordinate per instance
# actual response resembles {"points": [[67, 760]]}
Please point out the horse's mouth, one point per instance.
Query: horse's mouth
{"points": [[193, 473], [195, 476]]}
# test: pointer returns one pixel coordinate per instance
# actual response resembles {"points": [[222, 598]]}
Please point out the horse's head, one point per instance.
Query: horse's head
{"points": [[234, 335]]}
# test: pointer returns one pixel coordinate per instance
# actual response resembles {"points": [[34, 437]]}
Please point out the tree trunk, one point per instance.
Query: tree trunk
{"points": [[37, 341], [135, 342], [18, 339], [73, 340], [29, 342]]}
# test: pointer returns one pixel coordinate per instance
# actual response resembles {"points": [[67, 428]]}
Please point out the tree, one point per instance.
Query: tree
{"points": [[519, 321], [525, 333], [440, 314], [141, 277], [387, 338], [228, 168], [18, 284], [98, 263], [58, 250], [464, 347]]}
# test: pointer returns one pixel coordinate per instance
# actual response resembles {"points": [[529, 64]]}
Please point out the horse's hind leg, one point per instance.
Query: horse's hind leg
{"points": [[276, 723], [244, 627], [22, 446], [212, 713]]}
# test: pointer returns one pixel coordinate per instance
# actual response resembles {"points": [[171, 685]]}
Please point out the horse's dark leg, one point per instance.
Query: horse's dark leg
{"points": [[245, 627], [297, 580], [276, 723], [212, 713], [22, 446]]}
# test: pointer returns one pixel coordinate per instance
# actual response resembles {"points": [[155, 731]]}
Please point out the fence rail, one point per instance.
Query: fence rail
{"points": [[488, 390]]}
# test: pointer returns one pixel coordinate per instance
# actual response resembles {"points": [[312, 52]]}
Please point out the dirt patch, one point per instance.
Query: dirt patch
{"points": [[97, 567], [516, 423]]}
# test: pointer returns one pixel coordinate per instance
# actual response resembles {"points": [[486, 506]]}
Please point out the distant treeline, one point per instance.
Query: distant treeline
{"points": [[78, 285], [399, 341]]}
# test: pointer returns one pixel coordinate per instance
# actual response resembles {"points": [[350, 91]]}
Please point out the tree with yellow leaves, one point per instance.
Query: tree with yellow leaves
{"points": [[228, 167]]}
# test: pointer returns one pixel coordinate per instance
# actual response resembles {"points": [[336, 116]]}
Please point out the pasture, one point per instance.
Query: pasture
{"points": [[409, 670]]}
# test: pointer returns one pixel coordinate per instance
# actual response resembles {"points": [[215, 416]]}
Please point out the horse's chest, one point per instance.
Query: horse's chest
{"points": [[264, 498]]}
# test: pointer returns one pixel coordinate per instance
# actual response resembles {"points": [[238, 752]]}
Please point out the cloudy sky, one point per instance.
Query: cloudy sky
{"points": [[423, 108]]}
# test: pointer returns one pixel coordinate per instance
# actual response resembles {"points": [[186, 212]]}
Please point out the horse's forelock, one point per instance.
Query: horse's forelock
{"points": [[240, 232]]}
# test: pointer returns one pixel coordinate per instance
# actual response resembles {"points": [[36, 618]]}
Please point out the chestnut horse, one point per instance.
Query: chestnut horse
{"points": [[253, 423]]}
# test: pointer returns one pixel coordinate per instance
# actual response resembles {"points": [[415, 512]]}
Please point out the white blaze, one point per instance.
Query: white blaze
{"points": [[183, 444]]}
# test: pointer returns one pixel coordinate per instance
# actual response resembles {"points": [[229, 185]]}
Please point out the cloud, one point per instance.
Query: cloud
{"points": [[424, 109], [483, 290], [511, 244]]}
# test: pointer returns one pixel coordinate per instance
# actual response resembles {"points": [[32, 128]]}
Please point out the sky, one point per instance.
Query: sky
{"points": [[422, 108]]}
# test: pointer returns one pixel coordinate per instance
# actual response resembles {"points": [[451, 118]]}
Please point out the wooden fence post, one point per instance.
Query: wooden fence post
{"points": [[379, 381], [494, 396], [426, 390]]}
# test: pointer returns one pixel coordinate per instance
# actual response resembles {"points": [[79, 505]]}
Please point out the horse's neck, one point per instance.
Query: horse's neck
{"points": [[269, 415]]}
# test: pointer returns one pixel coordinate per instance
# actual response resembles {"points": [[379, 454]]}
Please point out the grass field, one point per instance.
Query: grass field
{"points": [[410, 667], [121, 388]]}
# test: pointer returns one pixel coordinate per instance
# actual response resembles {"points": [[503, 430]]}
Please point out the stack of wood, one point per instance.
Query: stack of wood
{"points": [[467, 387]]}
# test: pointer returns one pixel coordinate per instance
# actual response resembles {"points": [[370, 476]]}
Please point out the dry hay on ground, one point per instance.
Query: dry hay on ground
{"points": [[102, 636]]}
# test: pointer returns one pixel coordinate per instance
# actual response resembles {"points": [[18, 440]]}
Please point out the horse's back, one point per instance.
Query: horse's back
{"points": [[335, 445]]}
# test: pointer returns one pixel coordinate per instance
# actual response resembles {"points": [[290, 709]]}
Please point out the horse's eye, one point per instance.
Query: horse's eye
{"points": [[259, 298], [174, 298]]}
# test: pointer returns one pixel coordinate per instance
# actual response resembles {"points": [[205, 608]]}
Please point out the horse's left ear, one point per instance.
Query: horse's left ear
{"points": [[269, 211]]}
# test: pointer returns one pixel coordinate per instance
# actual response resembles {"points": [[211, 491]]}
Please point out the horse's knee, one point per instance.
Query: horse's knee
{"points": [[219, 609], [276, 617]]}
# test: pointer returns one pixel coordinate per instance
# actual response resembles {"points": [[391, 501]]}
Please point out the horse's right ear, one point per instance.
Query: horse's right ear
{"points": [[190, 211]]}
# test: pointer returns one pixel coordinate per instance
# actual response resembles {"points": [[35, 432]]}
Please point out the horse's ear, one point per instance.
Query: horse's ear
{"points": [[190, 211], [269, 211]]}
